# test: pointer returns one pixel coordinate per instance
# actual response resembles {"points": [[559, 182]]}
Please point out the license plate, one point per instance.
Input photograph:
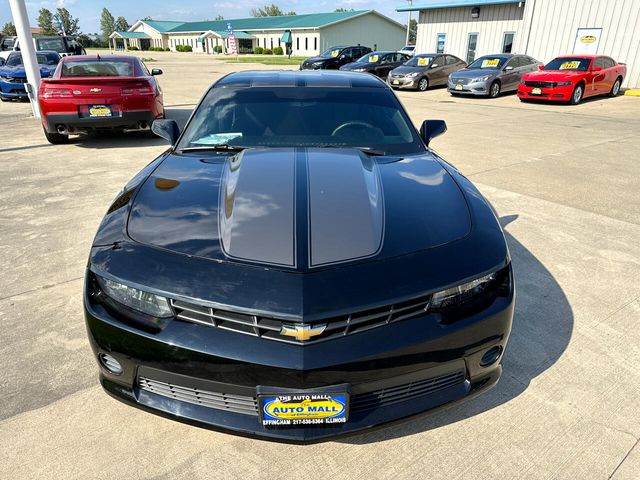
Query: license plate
{"points": [[536, 91], [307, 408], [458, 87], [396, 82], [99, 111]]}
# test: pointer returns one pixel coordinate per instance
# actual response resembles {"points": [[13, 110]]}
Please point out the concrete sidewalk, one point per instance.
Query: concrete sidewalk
{"points": [[565, 181]]}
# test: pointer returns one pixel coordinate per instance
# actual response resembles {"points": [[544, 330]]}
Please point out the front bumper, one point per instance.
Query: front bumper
{"points": [[476, 88], [403, 82], [183, 371], [129, 119], [12, 90], [558, 94]]}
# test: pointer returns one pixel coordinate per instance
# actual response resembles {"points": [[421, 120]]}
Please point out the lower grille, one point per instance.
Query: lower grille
{"points": [[540, 84], [271, 328], [219, 401], [249, 405]]}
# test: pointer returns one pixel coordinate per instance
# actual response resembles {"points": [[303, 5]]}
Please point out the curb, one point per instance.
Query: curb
{"points": [[632, 93]]}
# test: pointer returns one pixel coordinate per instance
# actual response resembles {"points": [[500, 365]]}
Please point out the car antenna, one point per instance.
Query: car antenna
{"points": [[98, 56]]}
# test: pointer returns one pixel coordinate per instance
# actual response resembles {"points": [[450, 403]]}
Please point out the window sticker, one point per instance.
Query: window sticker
{"points": [[217, 138], [334, 53], [570, 65], [374, 58], [423, 62], [490, 62]]}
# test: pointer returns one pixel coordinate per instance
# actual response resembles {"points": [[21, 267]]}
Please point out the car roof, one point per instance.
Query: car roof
{"points": [[19, 52], [97, 57], [300, 78], [499, 55], [589, 57]]}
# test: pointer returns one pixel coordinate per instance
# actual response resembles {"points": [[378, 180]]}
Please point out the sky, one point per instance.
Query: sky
{"points": [[88, 11]]}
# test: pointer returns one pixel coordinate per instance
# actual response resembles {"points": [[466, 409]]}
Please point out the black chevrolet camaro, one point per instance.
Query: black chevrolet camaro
{"points": [[298, 265]]}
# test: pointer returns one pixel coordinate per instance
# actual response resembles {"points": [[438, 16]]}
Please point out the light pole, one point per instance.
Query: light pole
{"points": [[29, 58], [409, 22]]}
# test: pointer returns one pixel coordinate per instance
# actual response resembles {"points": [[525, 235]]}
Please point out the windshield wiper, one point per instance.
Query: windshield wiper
{"points": [[219, 147], [368, 150]]}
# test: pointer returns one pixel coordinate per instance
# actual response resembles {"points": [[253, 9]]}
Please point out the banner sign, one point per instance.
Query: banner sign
{"points": [[587, 41], [232, 40]]}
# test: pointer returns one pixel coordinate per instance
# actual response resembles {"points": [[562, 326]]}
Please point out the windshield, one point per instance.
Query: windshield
{"points": [[15, 59], [302, 117], [370, 58], [568, 63], [332, 52], [55, 44], [97, 68], [420, 61], [488, 63]]}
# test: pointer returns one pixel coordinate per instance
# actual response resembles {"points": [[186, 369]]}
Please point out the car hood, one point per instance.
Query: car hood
{"points": [[552, 75], [298, 209], [19, 72], [405, 69], [474, 73]]}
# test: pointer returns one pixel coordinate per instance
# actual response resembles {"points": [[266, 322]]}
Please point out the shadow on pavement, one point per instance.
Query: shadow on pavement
{"points": [[542, 328]]}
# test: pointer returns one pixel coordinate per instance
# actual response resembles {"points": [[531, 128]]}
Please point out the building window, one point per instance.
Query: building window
{"points": [[264, 42], [297, 43], [507, 42], [271, 42], [472, 46], [306, 43], [441, 40], [315, 43], [279, 41]]}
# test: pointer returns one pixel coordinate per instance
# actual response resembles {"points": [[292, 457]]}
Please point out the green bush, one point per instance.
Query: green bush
{"points": [[217, 48], [278, 51], [258, 50], [267, 51], [156, 49], [132, 48], [167, 49], [184, 48]]}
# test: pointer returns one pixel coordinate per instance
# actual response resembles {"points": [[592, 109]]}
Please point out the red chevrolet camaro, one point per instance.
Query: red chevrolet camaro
{"points": [[92, 92], [572, 78]]}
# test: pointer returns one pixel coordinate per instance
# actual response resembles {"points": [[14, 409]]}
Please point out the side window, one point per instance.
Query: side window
{"points": [[451, 60], [599, 62], [438, 61], [608, 63]]}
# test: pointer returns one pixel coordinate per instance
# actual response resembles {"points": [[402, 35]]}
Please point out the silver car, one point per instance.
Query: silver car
{"points": [[492, 74]]}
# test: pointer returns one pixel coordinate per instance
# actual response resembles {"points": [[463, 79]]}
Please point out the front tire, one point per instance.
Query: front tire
{"points": [[576, 96], [615, 90], [494, 90], [56, 138], [423, 84]]}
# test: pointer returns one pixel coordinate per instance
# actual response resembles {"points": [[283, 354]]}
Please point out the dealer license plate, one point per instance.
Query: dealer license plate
{"points": [[99, 111], [304, 409], [536, 91], [396, 82], [458, 87]]}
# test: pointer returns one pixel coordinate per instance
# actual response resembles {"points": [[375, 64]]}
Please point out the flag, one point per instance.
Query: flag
{"points": [[232, 39]]}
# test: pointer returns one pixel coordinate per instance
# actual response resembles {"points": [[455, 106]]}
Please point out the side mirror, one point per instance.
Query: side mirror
{"points": [[540, 67], [156, 71], [431, 129], [508, 68], [434, 65], [596, 69], [167, 129]]}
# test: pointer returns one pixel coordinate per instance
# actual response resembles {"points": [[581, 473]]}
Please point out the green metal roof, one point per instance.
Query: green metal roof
{"points": [[433, 4], [285, 22], [133, 34], [237, 34], [162, 26]]}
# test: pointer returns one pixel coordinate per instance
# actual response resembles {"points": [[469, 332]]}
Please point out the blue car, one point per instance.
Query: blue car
{"points": [[13, 75]]}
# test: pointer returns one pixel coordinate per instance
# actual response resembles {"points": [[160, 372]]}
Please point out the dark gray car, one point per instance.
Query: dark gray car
{"points": [[424, 71], [492, 74]]}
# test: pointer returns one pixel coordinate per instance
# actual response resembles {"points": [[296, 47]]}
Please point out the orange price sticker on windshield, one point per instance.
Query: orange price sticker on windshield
{"points": [[569, 65]]}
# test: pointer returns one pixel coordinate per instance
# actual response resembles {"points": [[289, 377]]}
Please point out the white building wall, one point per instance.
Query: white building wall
{"points": [[303, 43], [554, 26], [457, 24], [368, 30], [267, 39]]}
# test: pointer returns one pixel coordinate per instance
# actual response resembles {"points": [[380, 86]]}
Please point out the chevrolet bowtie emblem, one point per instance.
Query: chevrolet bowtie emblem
{"points": [[95, 90], [302, 332]]}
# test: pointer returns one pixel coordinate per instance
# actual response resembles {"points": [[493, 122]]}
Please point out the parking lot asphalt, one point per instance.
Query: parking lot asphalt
{"points": [[566, 184]]}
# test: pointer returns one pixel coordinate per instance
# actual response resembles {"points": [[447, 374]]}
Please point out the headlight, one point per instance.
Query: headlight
{"points": [[564, 84], [457, 295], [413, 75], [481, 79], [359, 70], [145, 302]]}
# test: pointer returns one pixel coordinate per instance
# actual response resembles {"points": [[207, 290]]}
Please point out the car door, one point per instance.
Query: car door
{"points": [[610, 74], [510, 77], [453, 65], [346, 56], [438, 71], [385, 65], [597, 76]]}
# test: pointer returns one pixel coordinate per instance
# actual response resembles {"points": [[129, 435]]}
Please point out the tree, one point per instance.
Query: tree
{"points": [[269, 11], [122, 25], [340, 9], [45, 22], [144, 19], [107, 23], [69, 24], [219, 17], [9, 29], [413, 31]]}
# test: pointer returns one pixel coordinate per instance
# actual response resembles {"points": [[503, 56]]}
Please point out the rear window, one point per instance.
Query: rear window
{"points": [[98, 68], [55, 44]]}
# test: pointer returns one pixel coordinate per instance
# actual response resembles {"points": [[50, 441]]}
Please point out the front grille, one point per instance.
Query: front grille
{"points": [[270, 327], [540, 84], [396, 75], [460, 81], [249, 405], [409, 391], [219, 401]]}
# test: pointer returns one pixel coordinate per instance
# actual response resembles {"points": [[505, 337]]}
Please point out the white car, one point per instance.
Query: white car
{"points": [[61, 44], [408, 50]]}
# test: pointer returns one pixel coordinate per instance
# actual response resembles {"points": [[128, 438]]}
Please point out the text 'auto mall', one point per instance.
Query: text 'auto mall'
{"points": [[542, 29]]}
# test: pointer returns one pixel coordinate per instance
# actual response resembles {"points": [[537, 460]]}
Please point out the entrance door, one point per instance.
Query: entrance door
{"points": [[472, 47]]}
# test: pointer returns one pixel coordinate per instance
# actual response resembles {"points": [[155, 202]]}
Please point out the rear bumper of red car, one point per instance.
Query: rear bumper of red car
{"points": [[74, 123], [558, 94]]}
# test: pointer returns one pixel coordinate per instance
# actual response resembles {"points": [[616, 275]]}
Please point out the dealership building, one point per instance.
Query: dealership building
{"points": [[542, 29], [303, 35]]}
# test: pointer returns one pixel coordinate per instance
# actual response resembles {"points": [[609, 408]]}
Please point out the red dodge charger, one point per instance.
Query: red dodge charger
{"points": [[572, 78], [91, 92]]}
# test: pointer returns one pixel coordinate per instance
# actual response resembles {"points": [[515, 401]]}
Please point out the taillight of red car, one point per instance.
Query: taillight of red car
{"points": [[139, 89], [55, 91]]}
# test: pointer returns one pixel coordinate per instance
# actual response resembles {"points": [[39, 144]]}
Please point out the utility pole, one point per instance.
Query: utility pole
{"points": [[29, 58], [409, 22]]}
